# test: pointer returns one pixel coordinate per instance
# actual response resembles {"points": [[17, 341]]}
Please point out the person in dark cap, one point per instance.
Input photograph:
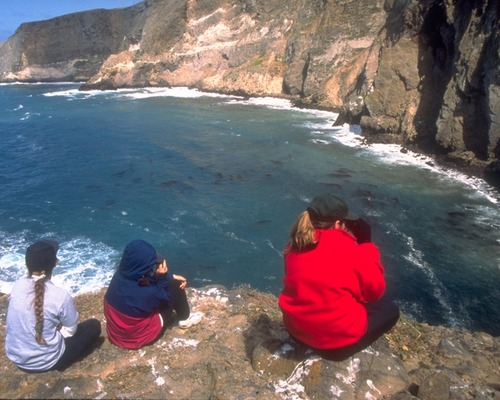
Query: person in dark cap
{"points": [[334, 281], [142, 297], [42, 331]]}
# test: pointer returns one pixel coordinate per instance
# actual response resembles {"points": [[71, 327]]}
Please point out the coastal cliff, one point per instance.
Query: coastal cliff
{"points": [[423, 74], [241, 350]]}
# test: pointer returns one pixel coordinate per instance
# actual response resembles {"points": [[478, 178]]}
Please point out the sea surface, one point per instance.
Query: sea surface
{"points": [[215, 182]]}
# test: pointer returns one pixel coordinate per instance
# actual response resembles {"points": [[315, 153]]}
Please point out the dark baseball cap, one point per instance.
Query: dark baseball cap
{"points": [[42, 256], [327, 207]]}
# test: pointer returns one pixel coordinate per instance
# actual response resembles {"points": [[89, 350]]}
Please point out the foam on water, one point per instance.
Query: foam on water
{"points": [[140, 93], [179, 92], [351, 136], [322, 132], [270, 102], [84, 266], [416, 258]]}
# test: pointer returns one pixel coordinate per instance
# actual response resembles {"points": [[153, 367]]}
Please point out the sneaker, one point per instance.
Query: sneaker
{"points": [[193, 319]]}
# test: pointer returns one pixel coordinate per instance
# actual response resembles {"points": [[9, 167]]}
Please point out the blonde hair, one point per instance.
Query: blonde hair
{"points": [[38, 303], [303, 232]]}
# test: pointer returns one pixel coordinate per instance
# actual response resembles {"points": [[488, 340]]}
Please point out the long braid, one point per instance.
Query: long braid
{"points": [[38, 302]]}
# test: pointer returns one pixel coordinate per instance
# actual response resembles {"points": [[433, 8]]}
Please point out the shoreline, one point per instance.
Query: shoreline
{"points": [[471, 167], [474, 170]]}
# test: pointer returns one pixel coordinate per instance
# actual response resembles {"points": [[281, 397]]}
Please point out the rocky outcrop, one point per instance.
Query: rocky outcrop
{"points": [[424, 74], [69, 48], [241, 350]]}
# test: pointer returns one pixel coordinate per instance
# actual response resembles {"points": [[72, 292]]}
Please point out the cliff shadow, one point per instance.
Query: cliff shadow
{"points": [[435, 61], [452, 85], [473, 93]]}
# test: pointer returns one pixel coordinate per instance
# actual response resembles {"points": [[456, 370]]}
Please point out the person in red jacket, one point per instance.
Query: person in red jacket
{"points": [[334, 282]]}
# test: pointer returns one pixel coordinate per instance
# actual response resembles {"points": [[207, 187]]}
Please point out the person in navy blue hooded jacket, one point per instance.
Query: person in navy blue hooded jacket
{"points": [[142, 296]]}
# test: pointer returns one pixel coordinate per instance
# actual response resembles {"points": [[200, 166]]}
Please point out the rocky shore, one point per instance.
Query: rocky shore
{"points": [[241, 350]]}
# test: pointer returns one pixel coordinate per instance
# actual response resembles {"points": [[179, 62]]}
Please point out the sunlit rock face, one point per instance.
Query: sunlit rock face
{"points": [[424, 74]]}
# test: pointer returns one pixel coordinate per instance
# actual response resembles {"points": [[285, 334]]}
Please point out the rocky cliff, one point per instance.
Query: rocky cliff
{"points": [[241, 350], [421, 73]]}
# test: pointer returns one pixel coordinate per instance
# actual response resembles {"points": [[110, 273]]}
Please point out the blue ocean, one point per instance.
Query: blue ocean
{"points": [[215, 182]]}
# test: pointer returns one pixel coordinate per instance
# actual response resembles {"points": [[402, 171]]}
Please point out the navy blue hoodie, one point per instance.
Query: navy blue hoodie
{"points": [[139, 260]]}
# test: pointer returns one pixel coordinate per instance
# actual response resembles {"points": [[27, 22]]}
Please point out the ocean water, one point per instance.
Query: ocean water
{"points": [[215, 182]]}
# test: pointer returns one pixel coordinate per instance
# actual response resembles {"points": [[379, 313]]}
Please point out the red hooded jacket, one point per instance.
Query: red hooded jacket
{"points": [[325, 289]]}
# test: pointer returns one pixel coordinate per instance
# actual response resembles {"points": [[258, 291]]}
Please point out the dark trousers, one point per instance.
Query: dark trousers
{"points": [[80, 344], [178, 302], [382, 316]]}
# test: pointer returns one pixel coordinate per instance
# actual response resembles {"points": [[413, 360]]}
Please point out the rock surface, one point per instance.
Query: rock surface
{"points": [[241, 350], [422, 73]]}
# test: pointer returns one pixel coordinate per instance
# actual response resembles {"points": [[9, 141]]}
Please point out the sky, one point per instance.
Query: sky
{"points": [[15, 12]]}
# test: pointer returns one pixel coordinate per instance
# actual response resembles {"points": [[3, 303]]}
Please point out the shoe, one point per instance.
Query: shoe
{"points": [[193, 319]]}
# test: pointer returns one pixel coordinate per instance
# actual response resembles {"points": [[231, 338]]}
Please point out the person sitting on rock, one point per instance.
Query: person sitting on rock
{"points": [[42, 331], [141, 298], [334, 281]]}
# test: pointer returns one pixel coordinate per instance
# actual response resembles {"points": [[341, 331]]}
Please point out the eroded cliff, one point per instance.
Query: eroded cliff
{"points": [[423, 74]]}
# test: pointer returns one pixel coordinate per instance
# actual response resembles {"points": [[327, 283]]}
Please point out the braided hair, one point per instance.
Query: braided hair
{"points": [[38, 303], [41, 258]]}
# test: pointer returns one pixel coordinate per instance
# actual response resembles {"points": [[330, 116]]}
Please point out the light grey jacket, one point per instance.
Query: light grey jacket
{"points": [[60, 320]]}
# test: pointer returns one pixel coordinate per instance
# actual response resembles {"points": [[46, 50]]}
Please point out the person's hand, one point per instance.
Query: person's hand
{"points": [[181, 279], [162, 268], [340, 225], [361, 230]]}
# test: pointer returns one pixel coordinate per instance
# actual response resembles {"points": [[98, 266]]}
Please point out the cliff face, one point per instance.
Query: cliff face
{"points": [[69, 48], [419, 73]]}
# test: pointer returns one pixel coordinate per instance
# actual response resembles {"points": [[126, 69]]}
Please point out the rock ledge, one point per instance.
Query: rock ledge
{"points": [[242, 351]]}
